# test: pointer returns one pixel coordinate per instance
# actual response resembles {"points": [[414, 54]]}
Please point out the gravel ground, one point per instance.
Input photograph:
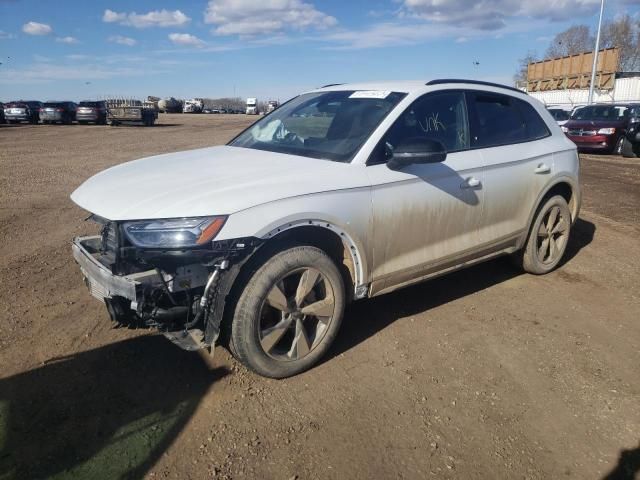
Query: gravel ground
{"points": [[485, 373]]}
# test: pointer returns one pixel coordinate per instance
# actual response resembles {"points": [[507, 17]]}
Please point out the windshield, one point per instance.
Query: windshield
{"points": [[327, 125], [89, 104], [600, 112]]}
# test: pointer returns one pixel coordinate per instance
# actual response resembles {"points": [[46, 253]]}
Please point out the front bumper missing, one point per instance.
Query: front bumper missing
{"points": [[124, 294], [101, 282]]}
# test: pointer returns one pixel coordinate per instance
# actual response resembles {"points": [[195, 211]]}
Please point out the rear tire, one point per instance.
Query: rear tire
{"points": [[289, 313], [628, 150], [548, 237]]}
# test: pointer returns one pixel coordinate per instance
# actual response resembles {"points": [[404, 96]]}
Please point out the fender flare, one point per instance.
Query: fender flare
{"points": [[575, 211], [361, 287]]}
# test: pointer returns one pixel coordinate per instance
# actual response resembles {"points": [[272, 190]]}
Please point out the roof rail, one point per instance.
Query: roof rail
{"points": [[331, 85], [441, 81]]}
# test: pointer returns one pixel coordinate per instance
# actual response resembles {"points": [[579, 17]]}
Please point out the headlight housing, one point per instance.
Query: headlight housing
{"points": [[606, 131], [564, 129], [173, 232]]}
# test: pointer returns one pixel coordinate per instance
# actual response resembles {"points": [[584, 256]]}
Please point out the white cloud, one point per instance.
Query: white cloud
{"points": [[110, 16], [67, 40], [38, 73], [494, 14], [186, 40], [383, 35], [6, 35], [35, 28], [156, 18], [120, 40], [250, 17]]}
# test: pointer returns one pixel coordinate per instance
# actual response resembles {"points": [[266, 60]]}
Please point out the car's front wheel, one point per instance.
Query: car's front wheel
{"points": [[289, 313], [548, 237]]}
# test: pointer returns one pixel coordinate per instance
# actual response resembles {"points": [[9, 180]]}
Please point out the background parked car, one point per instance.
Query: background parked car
{"points": [[62, 112], [631, 145], [2, 120], [23, 111], [560, 115], [598, 127], [89, 111]]}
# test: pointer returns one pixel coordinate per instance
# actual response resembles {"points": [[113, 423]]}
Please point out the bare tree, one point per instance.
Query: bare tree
{"points": [[575, 39], [523, 63], [623, 33]]}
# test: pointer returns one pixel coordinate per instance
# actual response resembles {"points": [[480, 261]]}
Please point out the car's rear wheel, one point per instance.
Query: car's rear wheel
{"points": [[289, 313], [627, 150], [548, 237]]}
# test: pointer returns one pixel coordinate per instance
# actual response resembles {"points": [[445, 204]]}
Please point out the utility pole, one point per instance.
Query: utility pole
{"points": [[595, 55]]}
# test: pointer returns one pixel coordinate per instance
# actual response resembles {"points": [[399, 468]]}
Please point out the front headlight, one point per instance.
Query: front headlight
{"points": [[173, 232], [606, 131], [564, 129]]}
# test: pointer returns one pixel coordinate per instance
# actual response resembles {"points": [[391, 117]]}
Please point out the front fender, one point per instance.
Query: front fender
{"points": [[347, 213]]}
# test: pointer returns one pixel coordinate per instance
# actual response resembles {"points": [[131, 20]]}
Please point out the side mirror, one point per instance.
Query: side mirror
{"points": [[417, 150]]}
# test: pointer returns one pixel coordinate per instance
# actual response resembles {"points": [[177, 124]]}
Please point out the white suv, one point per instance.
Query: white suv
{"points": [[342, 193]]}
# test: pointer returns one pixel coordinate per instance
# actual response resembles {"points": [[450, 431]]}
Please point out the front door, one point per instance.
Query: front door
{"points": [[425, 216]]}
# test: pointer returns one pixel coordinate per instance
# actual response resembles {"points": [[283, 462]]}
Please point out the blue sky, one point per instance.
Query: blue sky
{"points": [[68, 49]]}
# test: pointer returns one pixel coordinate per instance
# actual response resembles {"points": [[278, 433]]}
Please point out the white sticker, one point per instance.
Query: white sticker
{"points": [[370, 94]]}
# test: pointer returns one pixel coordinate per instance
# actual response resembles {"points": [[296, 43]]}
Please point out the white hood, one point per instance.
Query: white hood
{"points": [[209, 181]]}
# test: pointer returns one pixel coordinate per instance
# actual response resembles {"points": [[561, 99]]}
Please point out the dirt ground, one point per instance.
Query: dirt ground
{"points": [[486, 373]]}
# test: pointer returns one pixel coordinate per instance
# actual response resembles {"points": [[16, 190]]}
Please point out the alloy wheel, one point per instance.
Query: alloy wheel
{"points": [[296, 314], [552, 236]]}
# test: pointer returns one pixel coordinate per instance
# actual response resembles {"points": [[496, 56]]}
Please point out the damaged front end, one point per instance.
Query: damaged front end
{"points": [[178, 289]]}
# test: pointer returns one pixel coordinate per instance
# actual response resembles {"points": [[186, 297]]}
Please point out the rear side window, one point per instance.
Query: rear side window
{"points": [[535, 126], [497, 121], [503, 120]]}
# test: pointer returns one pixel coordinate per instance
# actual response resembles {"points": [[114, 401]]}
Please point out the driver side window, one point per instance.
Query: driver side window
{"points": [[440, 116]]}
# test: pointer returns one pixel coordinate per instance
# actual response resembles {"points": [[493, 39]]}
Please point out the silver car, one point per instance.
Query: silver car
{"points": [[22, 111], [58, 112]]}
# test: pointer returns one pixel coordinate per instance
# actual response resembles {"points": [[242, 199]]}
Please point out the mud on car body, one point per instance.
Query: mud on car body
{"points": [[342, 193]]}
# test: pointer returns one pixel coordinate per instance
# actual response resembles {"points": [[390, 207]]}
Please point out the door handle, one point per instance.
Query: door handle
{"points": [[470, 182], [542, 168]]}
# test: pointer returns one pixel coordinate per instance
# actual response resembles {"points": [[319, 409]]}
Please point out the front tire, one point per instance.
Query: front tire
{"points": [[289, 313], [617, 150], [548, 237]]}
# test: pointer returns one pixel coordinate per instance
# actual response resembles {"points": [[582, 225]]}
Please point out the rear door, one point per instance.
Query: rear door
{"points": [[425, 216], [517, 154]]}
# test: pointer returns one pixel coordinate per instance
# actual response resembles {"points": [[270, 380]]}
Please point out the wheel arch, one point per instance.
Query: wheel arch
{"points": [[333, 240], [564, 186]]}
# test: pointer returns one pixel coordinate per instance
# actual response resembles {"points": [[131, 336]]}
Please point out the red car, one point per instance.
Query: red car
{"points": [[598, 127]]}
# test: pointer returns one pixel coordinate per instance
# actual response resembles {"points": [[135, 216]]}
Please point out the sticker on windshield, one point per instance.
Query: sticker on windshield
{"points": [[370, 94]]}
